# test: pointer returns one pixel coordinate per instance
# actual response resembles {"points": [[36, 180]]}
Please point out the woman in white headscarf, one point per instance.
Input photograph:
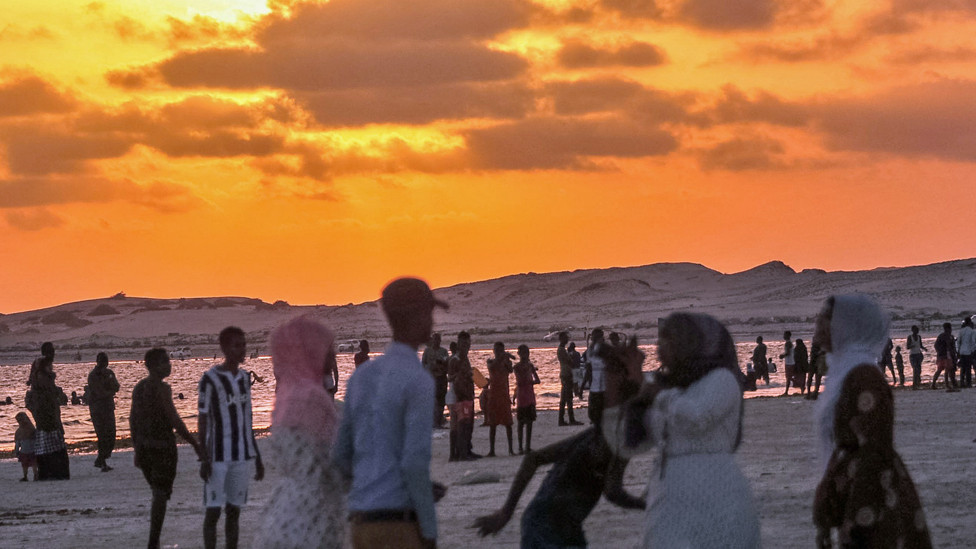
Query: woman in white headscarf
{"points": [[692, 413], [307, 506], [866, 493]]}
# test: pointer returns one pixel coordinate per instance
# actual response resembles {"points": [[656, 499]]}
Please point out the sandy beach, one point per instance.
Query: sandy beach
{"points": [[934, 433]]}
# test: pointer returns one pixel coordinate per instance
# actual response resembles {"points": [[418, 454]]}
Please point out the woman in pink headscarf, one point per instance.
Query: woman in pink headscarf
{"points": [[307, 507]]}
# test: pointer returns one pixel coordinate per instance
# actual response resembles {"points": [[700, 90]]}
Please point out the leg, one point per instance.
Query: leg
{"points": [[156, 516], [491, 441], [210, 527], [528, 437], [564, 402], [521, 428], [25, 466], [232, 525], [916, 362], [508, 433]]}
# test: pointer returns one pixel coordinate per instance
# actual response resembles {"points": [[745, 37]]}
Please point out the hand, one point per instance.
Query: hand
{"points": [[259, 470], [205, 470], [491, 524]]}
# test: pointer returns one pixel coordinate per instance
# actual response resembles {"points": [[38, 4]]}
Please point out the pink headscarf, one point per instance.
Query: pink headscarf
{"points": [[298, 352]]}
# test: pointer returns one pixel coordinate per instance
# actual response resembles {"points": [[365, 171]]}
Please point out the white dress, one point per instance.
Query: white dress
{"points": [[698, 496], [307, 506]]}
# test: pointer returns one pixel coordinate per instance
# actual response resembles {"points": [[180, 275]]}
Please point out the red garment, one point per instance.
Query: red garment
{"points": [[499, 405], [524, 386]]}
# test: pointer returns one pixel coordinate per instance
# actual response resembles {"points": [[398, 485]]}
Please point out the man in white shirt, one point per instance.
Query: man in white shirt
{"points": [[966, 345]]}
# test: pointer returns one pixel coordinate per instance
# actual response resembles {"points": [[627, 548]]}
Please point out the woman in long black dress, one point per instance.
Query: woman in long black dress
{"points": [[44, 401]]}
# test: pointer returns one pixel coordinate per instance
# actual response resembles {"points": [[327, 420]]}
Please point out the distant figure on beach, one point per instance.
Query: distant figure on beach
{"points": [[945, 358], [225, 430], [76, 400], [435, 360], [866, 493], [887, 361], [615, 339], [759, 360], [914, 344], [499, 369], [102, 386], [789, 363], [584, 468], [307, 504], [818, 364], [966, 348], [526, 378], [24, 444], [593, 380], [900, 365], [566, 369], [459, 373], [387, 458], [577, 361], [362, 355], [44, 400], [152, 419], [801, 364], [692, 412]]}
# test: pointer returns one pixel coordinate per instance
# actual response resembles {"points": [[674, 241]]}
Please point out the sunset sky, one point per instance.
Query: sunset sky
{"points": [[311, 151]]}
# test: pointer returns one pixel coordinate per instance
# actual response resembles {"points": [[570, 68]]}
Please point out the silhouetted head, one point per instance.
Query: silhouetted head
{"points": [[968, 321], [435, 340], [233, 344], [408, 304], [453, 347], [157, 362], [563, 338], [23, 419], [523, 351], [787, 334], [463, 342], [596, 335], [614, 339], [759, 339], [363, 346], [101, 360], [499, 349], [691, 345], [915, 330], [572, 346], [47, 349], [947, 327]]}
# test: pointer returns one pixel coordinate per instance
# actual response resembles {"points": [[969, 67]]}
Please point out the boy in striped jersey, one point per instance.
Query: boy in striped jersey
{"points": [[225, 435]]}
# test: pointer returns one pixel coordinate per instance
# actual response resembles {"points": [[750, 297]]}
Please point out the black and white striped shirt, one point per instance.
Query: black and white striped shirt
{"points": [[226, 401]]}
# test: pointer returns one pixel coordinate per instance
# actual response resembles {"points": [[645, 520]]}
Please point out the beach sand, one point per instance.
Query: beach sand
{"points": [[934, 433]]}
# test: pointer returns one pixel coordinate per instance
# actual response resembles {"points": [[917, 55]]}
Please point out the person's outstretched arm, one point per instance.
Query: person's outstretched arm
{"points": [[177, 422], [613, 488], [493, 523]]}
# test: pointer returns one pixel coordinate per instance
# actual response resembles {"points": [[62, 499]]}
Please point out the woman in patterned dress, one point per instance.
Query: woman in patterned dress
{"points": [[307, 506], [866, 494]]}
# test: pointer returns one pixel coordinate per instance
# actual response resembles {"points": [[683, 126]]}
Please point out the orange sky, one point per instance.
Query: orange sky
{"points": [[311, 151]]}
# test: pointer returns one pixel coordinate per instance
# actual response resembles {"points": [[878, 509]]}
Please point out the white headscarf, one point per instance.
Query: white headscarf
{"points": [[858, 333]]}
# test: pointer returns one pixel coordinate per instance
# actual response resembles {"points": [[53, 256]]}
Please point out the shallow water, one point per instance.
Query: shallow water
{"points": [[186, 374]]}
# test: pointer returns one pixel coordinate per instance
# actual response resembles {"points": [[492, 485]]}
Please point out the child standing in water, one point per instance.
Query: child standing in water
{"points": [[24, 445], [526, 378]]}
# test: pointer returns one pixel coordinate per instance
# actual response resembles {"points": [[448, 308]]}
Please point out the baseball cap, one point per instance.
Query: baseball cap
{"points": [[405, 294]]}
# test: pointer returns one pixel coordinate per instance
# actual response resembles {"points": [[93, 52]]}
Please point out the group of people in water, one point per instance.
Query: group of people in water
{"points": [[364, 473]]}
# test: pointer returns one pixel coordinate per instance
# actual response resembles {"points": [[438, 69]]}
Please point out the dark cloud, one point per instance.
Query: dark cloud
{"points": [[726, 15], [734, 106], [739, 154], [556, 143], [922, 54], [640, 9], [33, 150], [577, 54], [936, 119], [28, 95], [33, 219], [32, 192], [419, 105], [617, 95]]}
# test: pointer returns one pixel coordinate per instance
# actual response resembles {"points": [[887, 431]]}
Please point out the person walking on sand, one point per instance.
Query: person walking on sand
{"points": [[886, 362], [565, 381], [460, 374], [435, 360], [966, 347], [866, 493], [152, 419], [44, 400], [945, 358], [526, 378], [384, 442], [499, 407], [759, 361], [801, 361], [307, 504], [102, 386], [226, 435], [900, 365], [914, 344], [789, 363]]}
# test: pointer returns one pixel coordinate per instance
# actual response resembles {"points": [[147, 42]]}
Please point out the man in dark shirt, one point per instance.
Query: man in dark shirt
{"points": [[151, 422], [102, 387], [459, 373], [945, 358], [435, 361]]}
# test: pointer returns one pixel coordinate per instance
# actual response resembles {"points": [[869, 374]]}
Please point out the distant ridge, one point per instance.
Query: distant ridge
{"points": [[520, 306]]}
